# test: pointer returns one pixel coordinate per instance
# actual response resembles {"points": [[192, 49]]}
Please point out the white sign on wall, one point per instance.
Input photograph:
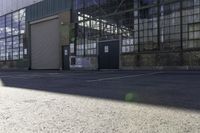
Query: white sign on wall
{"points": [[66, 52], [106, 49]]}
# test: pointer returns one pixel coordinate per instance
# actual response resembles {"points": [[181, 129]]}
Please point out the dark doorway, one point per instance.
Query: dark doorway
{"points": [[65, 55], [109, 54]]}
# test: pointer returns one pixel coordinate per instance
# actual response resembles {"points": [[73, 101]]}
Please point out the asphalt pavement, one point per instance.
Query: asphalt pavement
{"points": [[99, 101]]}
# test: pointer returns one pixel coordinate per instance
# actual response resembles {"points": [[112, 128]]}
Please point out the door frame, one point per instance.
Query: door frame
{"points": [[29, 46], [98, 53], [63, 58]]}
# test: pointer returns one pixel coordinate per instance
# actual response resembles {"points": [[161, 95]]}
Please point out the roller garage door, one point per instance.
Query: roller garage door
{"points": [[45, 45]]}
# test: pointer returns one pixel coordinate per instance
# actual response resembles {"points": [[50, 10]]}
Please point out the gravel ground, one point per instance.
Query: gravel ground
{"points": [[31, 111]]}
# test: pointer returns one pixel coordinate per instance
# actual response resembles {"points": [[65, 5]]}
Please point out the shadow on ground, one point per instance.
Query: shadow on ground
{"points": [[169, 89]]}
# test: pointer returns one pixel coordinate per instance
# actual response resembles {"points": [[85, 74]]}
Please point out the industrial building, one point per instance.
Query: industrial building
{"points": [[100, 34]]}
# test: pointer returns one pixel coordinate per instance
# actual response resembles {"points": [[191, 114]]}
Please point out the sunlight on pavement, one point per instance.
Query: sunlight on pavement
{"points": [[29, 111], [1, 83]]}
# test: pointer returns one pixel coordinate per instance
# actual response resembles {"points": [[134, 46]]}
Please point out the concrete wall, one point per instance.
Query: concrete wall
{"points": [[171, 60], [65, 27], [148, 61], [20, 64], [192, 58], [7, 6], [85, 63]]}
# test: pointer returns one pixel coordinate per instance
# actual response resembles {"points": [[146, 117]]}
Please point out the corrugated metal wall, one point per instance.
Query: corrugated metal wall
{"points": [[7, 6], [47, 8]]}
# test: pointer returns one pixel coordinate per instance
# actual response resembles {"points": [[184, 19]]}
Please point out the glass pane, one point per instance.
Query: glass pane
{"points": [[2, 27], [8, 25], [15, 23]]}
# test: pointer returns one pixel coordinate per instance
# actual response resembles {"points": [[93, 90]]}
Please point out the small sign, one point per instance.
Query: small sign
{"points": [[66, 52], [106, 49]]}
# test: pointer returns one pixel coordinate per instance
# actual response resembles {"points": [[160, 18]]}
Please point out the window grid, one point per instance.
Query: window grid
{"points": [[155, 25], [12, 29]]}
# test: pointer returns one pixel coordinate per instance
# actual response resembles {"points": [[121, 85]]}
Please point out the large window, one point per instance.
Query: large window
{"points": [[140, 25], [8, 25], [93, 28], [170, 26], [2, 27], [191, 24], [15, 23], [15, 47], [2, 49], [9, 48], [12, 28]]}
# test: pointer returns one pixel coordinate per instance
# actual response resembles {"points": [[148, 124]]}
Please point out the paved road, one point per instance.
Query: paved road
{"points": [[100, 102]]}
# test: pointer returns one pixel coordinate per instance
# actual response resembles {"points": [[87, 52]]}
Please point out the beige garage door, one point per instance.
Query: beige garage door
{"points": [[45, 45]]}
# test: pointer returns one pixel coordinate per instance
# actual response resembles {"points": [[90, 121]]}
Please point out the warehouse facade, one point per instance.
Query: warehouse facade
{"points": [[101, 34]]}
